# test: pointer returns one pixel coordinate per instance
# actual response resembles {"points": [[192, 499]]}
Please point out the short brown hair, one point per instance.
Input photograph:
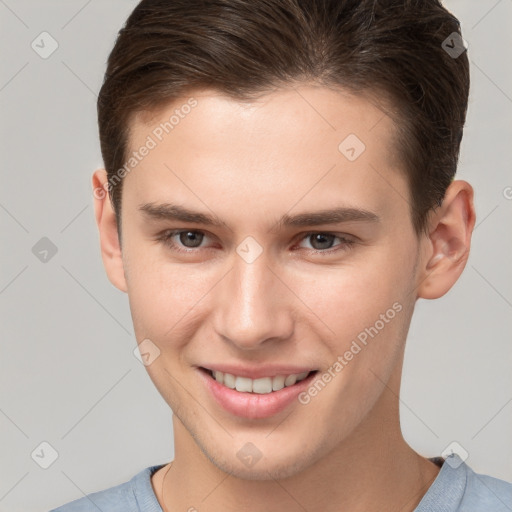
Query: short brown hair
{"points": [[244, 48]]}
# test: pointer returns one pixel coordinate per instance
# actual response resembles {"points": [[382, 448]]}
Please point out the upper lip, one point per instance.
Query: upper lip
{"points": [[257, 372]]}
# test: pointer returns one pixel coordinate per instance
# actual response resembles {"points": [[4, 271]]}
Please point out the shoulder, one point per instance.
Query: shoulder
{"points": [[131, 496], [117, 498], [457, 488], [484, 492]]}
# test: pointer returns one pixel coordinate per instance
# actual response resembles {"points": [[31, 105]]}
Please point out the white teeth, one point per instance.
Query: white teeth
{"points": [[229, 381], [278, 383], [243, 384], [290, 380], [261, 386]]}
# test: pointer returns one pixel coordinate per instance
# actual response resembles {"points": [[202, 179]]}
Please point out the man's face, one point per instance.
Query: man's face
{"points": [[265, 298]]}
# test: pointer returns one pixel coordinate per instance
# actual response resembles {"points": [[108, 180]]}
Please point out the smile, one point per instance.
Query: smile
{"points": [[256, 398]]}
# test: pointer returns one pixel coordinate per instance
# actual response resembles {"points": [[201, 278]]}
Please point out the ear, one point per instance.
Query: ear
{"points": [[107, 226], [446, 249]]}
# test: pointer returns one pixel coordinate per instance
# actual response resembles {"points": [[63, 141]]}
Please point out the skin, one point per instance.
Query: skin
{"points": [[250, 163]]}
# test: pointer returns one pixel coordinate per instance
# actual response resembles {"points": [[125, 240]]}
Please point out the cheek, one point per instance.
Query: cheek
{"points": [[164, 298], [361, 314], [352, 296]]}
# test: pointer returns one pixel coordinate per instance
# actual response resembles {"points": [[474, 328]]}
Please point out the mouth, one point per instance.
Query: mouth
{"points": [[255, 398]]}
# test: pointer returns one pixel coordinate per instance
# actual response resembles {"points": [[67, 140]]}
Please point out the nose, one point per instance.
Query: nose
{"points": [[254, 305]]}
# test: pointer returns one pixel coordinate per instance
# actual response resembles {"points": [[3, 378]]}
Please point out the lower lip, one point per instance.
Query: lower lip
{"points": [[253, 405]]}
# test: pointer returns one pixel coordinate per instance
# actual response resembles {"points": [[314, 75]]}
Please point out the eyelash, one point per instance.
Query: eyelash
{"points": [[345, 244]]}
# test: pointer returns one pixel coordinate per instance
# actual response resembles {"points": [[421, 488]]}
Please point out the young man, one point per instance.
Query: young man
{"points": [[280, 193]]}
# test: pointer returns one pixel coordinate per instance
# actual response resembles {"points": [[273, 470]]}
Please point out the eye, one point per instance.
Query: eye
{"points": [[188, 238], [322, 242]]}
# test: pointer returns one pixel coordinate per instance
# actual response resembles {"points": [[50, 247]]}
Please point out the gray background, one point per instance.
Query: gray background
{"points": [[68, 375]]}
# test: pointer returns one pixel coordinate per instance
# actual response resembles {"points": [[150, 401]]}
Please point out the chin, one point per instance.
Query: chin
{"points": [[273, 467], [263, 470]]}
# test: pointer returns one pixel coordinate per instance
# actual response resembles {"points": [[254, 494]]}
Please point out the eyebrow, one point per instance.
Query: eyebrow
{"points": [[173, 212]]}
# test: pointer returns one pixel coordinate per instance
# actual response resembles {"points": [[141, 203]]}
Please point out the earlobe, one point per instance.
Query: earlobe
{"points": [[447, 247], [107, 226]]}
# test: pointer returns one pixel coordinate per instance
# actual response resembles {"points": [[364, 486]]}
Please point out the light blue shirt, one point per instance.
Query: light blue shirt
{"points": [[457, 488]]}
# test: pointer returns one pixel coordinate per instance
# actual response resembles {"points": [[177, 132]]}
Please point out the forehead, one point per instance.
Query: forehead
{"points": [[307, 141], [294, 113]]}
